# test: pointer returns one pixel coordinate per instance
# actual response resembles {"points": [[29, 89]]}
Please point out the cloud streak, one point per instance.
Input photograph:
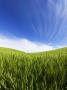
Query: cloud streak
{"points": [[24, 45], [60, 7]]}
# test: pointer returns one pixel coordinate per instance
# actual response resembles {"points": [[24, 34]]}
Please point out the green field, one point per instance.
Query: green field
{"points": [[36, 71]]}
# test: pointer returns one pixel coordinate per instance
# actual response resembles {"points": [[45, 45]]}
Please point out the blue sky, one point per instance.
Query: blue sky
{"points": [[42, 21]]}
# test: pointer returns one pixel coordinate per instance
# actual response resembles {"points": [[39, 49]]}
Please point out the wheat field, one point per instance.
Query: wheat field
{"points": [[33, 71]]}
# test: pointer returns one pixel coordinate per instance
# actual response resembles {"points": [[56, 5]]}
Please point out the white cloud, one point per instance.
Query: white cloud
{"points": [[24, 45]]}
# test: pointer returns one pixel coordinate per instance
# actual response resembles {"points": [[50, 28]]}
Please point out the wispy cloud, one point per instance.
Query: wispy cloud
{"points": [[24, 45], [60, 7]]}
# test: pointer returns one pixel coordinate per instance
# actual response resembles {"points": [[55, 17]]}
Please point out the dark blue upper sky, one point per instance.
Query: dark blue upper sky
{"points": [[37, 20]]}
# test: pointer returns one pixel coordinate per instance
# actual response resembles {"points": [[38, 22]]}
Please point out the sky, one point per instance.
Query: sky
{"points": [[33, 25]]}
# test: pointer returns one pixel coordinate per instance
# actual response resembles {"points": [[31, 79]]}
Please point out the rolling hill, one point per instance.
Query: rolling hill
{"points": [[33, 71]]}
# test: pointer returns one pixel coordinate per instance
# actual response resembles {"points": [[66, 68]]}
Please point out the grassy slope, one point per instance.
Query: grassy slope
{"points": [[37, 71]]}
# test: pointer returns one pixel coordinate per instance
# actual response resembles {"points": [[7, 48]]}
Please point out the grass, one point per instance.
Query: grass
{"points": [[36, 71]]}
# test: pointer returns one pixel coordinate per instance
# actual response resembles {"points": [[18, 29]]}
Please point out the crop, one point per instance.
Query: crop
{"points": [[36, 71]]}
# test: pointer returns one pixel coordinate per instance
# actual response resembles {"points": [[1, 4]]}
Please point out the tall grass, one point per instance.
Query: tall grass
{"points": [[42, 71]]}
